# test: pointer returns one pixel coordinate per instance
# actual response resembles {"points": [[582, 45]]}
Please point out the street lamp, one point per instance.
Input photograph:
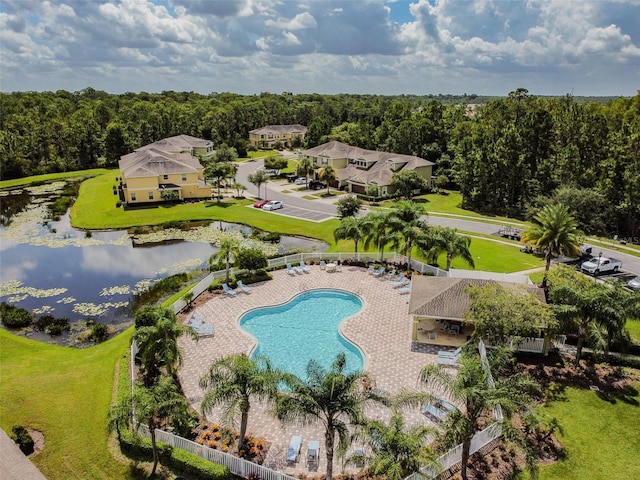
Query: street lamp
{"points": [[596, 271]]}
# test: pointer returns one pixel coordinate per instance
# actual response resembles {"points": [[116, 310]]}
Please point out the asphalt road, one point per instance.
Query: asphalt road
{"points": [[318, 211]]}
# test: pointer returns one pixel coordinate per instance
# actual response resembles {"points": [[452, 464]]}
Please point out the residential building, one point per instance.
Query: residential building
{"points": [[267, 137], [152, 172], [358, 169]]}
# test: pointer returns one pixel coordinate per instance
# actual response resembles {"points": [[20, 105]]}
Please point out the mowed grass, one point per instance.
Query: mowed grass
{"points": [[50, 177], [601, 436], [65, 393]]}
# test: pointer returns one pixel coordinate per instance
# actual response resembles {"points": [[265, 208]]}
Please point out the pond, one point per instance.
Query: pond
{"points": [[50, 267]]}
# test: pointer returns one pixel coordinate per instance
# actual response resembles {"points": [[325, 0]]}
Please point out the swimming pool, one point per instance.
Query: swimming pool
{"points": [[305, 328]]}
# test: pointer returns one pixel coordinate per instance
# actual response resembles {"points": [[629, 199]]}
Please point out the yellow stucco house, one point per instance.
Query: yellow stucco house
{"points": [[267, 137], [357, 169], [168, 165]]}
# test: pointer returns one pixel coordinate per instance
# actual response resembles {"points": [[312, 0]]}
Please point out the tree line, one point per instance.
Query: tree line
{"points": [[507, 156]]}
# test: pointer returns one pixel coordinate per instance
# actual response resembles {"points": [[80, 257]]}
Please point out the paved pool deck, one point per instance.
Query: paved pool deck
{"points": [[382, 329]]}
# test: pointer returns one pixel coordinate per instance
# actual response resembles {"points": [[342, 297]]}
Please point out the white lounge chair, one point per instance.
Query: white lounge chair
{"points": [[448, 360], [371, 270], [228, 290], [304, 267], [323, 264], [294, 448], [290, 270], [406, 289], [358, 457], [438, 409], [379, 272], [243, 287], [402, 280], [453, 353], [313, 453]]}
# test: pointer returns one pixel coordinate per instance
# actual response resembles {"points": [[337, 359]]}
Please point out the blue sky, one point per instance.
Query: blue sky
{"points": [[550, 47]]}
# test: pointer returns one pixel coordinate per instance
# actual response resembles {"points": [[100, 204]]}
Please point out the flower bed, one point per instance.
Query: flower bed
{"points": [[226, 439]]}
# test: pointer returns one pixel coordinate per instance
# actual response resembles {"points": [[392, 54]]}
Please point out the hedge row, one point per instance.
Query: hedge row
{"points": [[178, 460]]}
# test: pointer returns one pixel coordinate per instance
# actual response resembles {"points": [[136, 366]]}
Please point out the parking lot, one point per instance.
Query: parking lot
{"points": [[303, 213]]}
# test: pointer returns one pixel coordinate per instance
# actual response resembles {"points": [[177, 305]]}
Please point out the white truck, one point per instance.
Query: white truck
{"points": [[598, 265]]}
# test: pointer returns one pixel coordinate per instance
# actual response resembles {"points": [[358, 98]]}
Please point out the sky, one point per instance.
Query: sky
{"points": [[386, 47]]}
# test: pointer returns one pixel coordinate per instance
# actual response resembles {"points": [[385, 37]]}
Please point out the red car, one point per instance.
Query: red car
{"points": [[261, 203]]}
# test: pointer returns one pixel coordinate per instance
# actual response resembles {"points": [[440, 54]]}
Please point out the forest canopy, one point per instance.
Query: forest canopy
{"points": [[507, 155]]}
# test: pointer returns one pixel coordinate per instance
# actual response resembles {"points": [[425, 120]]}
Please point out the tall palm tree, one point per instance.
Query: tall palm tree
{"points": [[407, 227], [217, 171], [327, 174], [396, 451], [233, 381], [158, 344], [588, 305], [334, 398], [377, 229], [471, 390], [447, 240], [350, 228], [555, 231], [305, 165], [157, 405], [228, 251]]}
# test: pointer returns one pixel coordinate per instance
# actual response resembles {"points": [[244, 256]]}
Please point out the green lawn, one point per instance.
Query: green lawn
{"points": [[601, 438], [633, 327], [49, 177], [65, 393]]}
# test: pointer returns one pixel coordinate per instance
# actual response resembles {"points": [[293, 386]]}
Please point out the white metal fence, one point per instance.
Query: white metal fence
{"points": [[367, 257], [236, 465]]}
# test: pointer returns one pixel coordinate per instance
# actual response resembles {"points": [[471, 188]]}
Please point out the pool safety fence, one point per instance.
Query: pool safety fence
{"points": [[237, 466], [329, 257]]}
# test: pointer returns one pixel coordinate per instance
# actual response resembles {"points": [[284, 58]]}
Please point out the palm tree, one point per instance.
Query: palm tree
{"points": [[448, 241], [408, 228], [588, 305], [228, 251], [377, 231], [305, 165], [258, 178], [327, 174], [471, 389], [158, 343], [334, 398], [157, 405], [350, 228], [396, 451], [233, 381], [555, 230], [217, 171]]}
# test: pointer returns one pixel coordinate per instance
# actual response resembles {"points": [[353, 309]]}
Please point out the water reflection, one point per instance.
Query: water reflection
{"points": [[38, 255]]}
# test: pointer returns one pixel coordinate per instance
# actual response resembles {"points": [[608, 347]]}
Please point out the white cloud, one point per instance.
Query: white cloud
{"points": [[134, 45]]}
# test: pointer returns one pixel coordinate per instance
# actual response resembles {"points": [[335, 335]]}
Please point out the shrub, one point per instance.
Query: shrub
{"points": [[52, 325], [172, 224], [252, 259], [14, 317], [23, 438], [99, 333]]}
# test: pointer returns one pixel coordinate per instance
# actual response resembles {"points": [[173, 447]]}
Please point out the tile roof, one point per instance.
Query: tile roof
{"points": [[445, 297], [179, 143]]}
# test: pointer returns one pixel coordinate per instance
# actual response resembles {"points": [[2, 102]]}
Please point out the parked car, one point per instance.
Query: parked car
{"points": [[317, 185], [302, 180], [598, 265], [261, 203], [273, 205], [292, 178], [634, 284]]}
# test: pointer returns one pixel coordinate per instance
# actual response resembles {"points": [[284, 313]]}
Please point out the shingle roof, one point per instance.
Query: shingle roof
{"points": [[295, 128], [379, 172], [179, 143], [152, 162], [445, 297]]}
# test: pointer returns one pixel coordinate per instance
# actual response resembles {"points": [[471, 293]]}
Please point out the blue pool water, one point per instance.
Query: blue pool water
{"points": [[305, 328]]}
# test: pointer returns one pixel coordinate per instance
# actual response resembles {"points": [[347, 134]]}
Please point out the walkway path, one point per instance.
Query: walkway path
{"points": [[382, 329]]}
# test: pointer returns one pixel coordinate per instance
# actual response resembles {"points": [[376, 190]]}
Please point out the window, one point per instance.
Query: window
{"points": [[150, 195], [133, 197], [165, 177], [184, 177]]}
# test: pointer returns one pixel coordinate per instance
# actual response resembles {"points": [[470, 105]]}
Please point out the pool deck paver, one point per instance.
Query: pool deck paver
{"points": [[382, 329]]}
